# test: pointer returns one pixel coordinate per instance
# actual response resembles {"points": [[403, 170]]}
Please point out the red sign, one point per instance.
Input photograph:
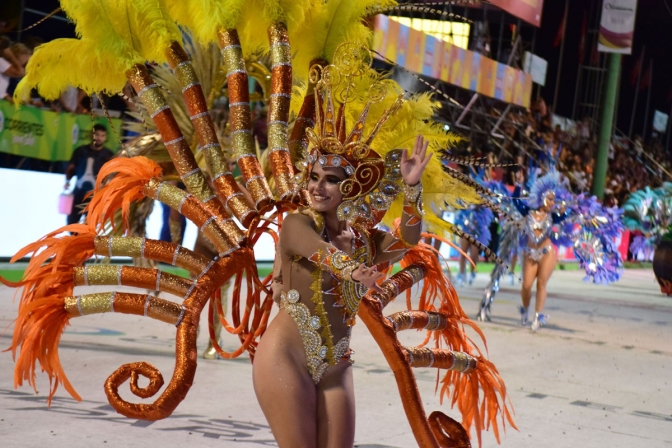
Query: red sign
{"points": [[528, 10]]}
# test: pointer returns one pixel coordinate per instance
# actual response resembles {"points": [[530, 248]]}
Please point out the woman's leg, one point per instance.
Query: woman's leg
{"points": [[336, 408], [284, 388], [512, 269], [545, 270], [529, 274], [464, 245], [473, 254], [514, 260]]}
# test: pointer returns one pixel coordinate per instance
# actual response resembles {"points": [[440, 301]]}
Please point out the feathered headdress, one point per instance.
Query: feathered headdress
{"points": [[363, 125], [544, 186]]}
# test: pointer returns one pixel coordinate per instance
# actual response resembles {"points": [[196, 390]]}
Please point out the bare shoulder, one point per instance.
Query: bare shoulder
{"points": [[302, 218]]}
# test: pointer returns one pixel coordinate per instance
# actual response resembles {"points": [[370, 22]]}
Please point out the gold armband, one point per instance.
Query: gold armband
{"points": [[341, 265], [413, 197]]}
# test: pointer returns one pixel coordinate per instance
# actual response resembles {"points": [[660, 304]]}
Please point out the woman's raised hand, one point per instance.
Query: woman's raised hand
{"points": [[368, 277], [414, 164]]}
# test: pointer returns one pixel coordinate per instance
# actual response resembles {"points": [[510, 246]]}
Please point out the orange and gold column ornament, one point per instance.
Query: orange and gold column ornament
{"points": [[178, 148], [240, 120], [222, 179], [278, 112]]}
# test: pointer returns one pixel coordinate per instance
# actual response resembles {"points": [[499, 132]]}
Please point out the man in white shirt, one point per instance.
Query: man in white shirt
{"points": [[12, 63]]}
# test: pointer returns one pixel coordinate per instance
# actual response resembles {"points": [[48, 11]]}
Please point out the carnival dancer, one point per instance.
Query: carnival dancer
{"points": [[582, 223], [509, 246], [539, 258], [475, 221], [319, 255]]}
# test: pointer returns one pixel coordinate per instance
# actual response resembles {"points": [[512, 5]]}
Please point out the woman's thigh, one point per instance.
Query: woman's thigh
{"points": [[284, 388], [529, 272], [474, 252], [546, 268], [336, 407]]}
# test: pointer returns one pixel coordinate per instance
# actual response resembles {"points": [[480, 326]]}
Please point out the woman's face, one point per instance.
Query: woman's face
{"points": [[324, 187], [549, 201]]}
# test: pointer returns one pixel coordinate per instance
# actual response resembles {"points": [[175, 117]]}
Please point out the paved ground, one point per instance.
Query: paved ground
{"points": [[598, 376]]}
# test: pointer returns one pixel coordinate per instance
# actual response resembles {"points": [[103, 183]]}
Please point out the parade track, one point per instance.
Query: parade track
{"points": [[599, 375]]}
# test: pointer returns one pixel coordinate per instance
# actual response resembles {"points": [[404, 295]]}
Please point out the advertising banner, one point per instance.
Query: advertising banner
{"points": [[535, 66], [437, 58], [488, 77], [380, 34], [446, 61], [660, 121], [456, 65], [416, 50], [430, 49], [528, 10], [617, 26], [47, 135], [421, 53], [392, 38]]}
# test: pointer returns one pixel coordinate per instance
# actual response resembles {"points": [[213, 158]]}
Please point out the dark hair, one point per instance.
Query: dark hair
{"points": [[4, 43], [99, 127]]}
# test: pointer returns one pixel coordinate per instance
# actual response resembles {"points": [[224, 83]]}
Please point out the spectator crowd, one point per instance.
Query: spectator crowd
{"points": [[531, 138], [533, 141]]}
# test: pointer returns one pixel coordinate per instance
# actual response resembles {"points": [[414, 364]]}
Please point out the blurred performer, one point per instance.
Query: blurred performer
{"points": [[539, 257], [474, 221]]}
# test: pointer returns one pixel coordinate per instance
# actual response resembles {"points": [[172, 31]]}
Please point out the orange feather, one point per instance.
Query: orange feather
{"points": [[438, 294], [128, 178], [38, 331]]}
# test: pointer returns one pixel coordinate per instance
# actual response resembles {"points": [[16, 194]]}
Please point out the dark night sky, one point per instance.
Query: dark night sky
{"points": [[653, 25]]}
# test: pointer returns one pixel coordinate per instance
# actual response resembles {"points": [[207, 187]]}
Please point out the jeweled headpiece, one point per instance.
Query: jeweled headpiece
{"points": [[549, 184], [374, 180]]}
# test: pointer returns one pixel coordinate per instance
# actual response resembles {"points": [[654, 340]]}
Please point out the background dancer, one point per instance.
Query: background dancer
{"points": [[539, 257], [475, 221]]}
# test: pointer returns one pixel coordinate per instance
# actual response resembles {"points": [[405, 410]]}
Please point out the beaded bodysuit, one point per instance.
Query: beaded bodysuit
{"points": [[318, 292]]}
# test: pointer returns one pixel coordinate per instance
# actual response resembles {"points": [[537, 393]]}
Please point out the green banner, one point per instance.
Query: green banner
{"points": [[43, 134]]}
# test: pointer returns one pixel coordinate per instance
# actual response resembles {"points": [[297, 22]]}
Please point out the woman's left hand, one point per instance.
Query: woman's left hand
{"points": [[413, 165], [368, 277]]}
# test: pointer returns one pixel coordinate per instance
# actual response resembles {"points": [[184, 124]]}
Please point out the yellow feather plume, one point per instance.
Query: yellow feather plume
{"points": [[53, 68], [204, 18], [152, 27], [326, 26], [415, 117], [98, 22], [114, 35], [258, 15], [299, 91]]}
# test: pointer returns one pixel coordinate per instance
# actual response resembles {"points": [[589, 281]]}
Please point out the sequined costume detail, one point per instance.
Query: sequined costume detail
{"points": [[537, 254], [538, 230], [319, 356]]}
